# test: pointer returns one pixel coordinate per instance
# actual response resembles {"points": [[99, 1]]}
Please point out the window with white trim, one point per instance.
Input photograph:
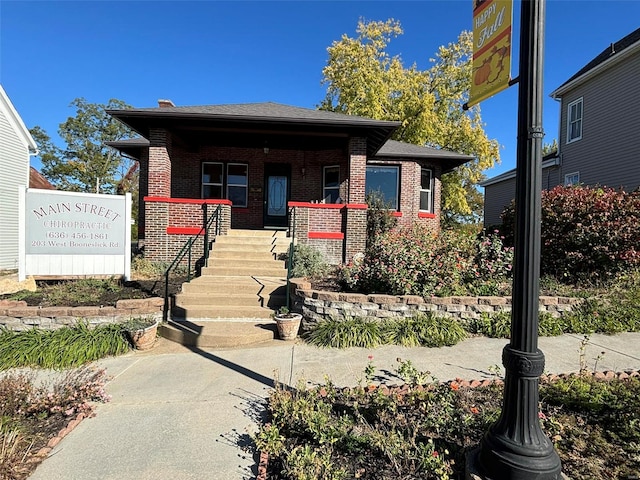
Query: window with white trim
{"points": [[385, 181], [426, 190], [572, 179], [212, 175], [331, 184], [574, 120], [237, 176]]}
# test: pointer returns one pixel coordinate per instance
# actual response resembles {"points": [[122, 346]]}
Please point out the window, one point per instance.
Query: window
{"points": [[212, 180], [426, 190], [331, 184], [572, 179], [237, 184], [384, 180], [574, 121]]}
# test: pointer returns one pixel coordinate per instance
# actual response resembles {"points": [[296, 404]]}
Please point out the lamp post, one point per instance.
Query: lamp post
{"points": [[515, 447]]}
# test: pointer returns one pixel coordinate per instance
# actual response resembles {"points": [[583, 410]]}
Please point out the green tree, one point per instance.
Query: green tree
{"points": [[550, 147], [363, 79], [86, 163]]}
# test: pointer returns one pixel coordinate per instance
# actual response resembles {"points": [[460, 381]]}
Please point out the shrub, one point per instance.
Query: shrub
{"points": [[586, 232], [379, 218], [308, 262], [413, 260]]}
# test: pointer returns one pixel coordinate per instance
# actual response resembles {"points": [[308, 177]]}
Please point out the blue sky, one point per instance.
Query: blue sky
{"points": [[214, 52]]}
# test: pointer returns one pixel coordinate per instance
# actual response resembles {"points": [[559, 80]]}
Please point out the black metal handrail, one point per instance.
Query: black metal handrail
{"points": [[186, 250]]}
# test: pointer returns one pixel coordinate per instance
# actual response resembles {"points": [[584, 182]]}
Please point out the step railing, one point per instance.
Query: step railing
{"points": [[187, 248]]}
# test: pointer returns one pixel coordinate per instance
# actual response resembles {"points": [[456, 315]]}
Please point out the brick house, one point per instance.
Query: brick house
{"points": [[274, 166]]}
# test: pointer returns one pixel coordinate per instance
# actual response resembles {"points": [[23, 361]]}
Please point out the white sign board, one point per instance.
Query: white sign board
{"points": [[74, 234]]}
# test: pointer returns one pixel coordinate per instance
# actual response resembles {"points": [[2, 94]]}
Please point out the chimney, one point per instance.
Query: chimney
{"points": [[165, 103]]}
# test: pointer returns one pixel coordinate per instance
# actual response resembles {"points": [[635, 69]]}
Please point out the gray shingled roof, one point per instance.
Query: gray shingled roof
{"points": [[612, 50], [447, 158], [260, 111], [257, 116]]}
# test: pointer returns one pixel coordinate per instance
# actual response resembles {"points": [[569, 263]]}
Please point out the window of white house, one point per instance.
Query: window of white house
{"points": [[574, 121], [385, 180], [212, 174], [237, 176], [426, 190], [572, 179], [331, 184]]}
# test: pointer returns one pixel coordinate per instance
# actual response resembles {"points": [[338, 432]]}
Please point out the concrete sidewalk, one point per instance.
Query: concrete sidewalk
{"points": [[179, 413]]}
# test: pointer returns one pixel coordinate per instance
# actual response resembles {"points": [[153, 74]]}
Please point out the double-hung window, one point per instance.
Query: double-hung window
{"points": [[212, 180], [237, 175], [572, 179], [384, 180], [233, 185], [331, 184], [574, 121], [426, 190]]}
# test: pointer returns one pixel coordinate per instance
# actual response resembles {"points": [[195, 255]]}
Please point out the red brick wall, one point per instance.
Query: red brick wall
{"points": [[410, 177]]}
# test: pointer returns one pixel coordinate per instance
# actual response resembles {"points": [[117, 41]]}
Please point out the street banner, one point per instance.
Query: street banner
{"points": [[491, 48]]}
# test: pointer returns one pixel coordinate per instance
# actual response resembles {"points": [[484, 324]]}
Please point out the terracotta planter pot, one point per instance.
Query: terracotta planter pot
{"points": [[144, 338], [288, 325]]}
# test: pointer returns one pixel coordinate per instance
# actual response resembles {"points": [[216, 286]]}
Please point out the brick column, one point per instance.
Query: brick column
{"points": [[357, 169], [355, 224], [158, 185]]}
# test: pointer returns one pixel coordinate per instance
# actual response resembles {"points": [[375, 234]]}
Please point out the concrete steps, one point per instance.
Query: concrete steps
{"points": [[217, 334], [244, 281]]}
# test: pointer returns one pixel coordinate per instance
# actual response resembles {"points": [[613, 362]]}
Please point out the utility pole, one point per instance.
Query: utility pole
{"points": [[515, 447]]}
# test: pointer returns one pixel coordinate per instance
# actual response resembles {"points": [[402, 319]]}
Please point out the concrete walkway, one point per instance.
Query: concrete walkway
{"points": [[179, 414]]}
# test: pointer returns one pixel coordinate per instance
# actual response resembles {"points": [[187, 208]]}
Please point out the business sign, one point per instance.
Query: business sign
{"points": [[74, 234], [491, 48]]}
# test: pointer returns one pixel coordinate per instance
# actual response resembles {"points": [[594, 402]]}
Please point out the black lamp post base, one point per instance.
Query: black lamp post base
{"points": [[550, 470]]}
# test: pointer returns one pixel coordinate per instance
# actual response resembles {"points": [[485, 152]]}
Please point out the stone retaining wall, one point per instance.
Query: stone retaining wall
{"points": [[318, 305], [16, 315]]}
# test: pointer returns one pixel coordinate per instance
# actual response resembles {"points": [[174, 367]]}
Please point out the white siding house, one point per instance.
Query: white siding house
{"points": [[16, 146]]}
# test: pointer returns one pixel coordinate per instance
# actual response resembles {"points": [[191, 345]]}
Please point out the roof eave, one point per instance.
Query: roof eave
{"points": [[562, 89]]}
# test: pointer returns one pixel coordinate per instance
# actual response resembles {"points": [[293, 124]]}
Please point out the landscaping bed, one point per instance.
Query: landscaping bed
{"points": [[423, 431]]}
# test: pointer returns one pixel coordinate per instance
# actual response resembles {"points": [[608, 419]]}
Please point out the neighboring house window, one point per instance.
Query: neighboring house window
{"points": [[237, 181], [426, 190], [331, 184], [572, 179], [386, 181], [212, 174], [574, 121]]}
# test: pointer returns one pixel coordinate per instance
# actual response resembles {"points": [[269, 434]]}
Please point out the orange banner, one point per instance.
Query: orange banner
{"points": [[491, 48]]}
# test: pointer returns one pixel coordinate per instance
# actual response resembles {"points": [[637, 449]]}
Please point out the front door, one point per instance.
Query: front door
{"points": [[277, 187]]}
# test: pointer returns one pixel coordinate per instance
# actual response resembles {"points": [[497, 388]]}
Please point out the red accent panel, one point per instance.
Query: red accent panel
{"points": [[197, 201], [315, 205], [426, 215], [396, 214], [357, 206], [326, 235], [183, 230]]}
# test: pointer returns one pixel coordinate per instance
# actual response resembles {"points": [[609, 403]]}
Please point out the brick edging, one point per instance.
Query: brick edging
{"points": [[41, 454]]}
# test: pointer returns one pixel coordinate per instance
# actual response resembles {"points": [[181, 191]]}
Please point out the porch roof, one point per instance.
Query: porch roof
{"points": [[448, 159], [258, 118]]}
